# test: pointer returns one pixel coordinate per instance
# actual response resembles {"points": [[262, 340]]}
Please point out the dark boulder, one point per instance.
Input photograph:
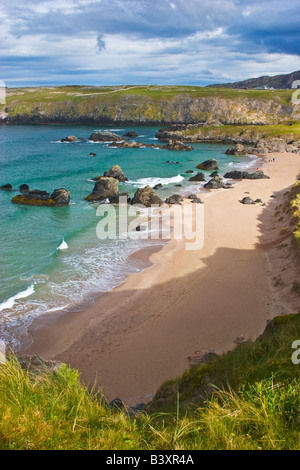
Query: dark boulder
{"points": [[208, 165], [6, 187], [177, 145], [36, 197], [61, 197], [70, 138], [174, 199], [104, 188], [197, 200], [215, 183], [238, 149], [117, 173], [131, 134], [104, 137], [198, 177], [24, 188], [238, 175], [247, 200], [147, 197]]}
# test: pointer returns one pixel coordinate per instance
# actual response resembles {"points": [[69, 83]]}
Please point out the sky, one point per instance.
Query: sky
{"points": [[142, 42]]}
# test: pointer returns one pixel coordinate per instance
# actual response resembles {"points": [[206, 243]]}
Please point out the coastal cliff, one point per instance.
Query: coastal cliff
{"points": [[148, 105]]}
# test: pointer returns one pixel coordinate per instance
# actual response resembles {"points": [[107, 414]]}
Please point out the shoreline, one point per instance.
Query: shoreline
{"points": [[141, 333]]}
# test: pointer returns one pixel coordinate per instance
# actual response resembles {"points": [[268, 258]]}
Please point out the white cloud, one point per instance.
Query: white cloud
{"points": [[132, 40]]}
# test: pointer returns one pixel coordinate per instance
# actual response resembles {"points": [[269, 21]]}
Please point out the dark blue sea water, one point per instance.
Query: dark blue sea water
{"points": [[36, 277]]}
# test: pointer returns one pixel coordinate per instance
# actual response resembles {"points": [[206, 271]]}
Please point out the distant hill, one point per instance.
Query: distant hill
{"points": [[277, 82]]}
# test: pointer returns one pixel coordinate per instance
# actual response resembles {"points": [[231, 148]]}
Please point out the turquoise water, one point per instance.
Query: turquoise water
{"points": [[37, 277]]}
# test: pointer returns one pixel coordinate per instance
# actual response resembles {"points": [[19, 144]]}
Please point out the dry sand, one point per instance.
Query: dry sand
{"points": [[141, 334]]}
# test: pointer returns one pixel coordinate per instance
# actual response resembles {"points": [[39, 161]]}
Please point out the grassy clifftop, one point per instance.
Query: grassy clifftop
{"points": [[148, 105], [246, 399]]}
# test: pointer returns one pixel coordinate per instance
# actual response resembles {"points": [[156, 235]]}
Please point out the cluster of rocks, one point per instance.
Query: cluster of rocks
{"points": [[23, 188], [36, 197], [172, 145], [240, 175], [116, 141], [265, 146]]}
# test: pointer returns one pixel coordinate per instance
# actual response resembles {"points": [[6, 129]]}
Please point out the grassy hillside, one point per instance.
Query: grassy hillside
{"points": [[246, 399], [147, 105]]}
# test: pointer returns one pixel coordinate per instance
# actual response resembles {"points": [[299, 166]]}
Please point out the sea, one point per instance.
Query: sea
{"points": [[51, 257]]}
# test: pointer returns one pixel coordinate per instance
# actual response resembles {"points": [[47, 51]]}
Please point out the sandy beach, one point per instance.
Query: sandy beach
{"points": [[141, 334]]}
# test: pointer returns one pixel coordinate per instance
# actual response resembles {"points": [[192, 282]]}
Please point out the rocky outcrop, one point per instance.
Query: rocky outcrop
{"points": [[70, 138], [239, 175], [61, 197], [147, 197], [198, 177], [171, 145], [247, 200], [195, 199], [264, 146], [24, 188], [185, 106], [128, 145], [238, 149], [6, 187], [104, 137], [177, 145], [105, 188], [174, 199], [215, 183], [131, 134], [255, 136], [36, 197], [208, 165], [117, 173]]}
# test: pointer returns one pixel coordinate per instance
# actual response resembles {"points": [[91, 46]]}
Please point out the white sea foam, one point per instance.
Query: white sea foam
{"points": [[140, 183], [9, 303], [63, 246]]}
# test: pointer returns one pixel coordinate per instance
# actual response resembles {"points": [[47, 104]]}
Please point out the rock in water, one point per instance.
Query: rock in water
{"points": [[61, 197], [105, 188], [177, 145], [6, 187], [104, 137], [198, 177], [24, 188], [117, 173], [208, 165], [36, 197], [70, 138], [238, 149], [147, 197], [131, 134]]}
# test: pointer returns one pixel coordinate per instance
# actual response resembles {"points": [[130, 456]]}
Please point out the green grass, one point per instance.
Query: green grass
{"points": [[138, 103], [294, 205], [253, 403], [264, 132]]}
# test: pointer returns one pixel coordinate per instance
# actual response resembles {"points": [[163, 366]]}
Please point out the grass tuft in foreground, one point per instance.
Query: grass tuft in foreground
{"points": [[253, 403]]}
